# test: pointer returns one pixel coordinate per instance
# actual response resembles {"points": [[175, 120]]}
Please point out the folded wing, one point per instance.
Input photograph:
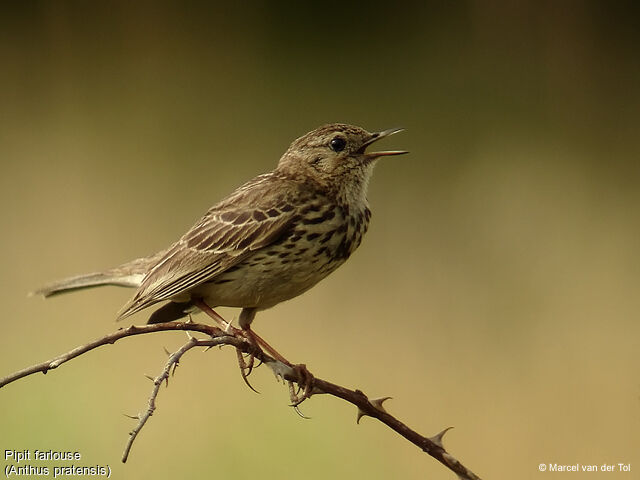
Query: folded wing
{"points": [[253, 217]]}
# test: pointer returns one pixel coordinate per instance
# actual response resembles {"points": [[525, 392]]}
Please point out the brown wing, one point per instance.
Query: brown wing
{"points": [[254, 216]]}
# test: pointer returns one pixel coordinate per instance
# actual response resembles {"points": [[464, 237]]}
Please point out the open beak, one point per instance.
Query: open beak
{"points": [[377, 136]]}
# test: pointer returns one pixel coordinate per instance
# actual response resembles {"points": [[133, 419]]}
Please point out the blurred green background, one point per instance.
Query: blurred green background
{"points": [[497, 289]]}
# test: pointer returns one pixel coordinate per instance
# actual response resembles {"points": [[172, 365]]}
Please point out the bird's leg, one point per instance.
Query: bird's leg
{"points": [[213, 314], [304, 376], [246, 317], [245, 367]]}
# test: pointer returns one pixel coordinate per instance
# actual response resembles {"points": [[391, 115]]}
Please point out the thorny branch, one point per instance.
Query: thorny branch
{"points": [[217, 337]]}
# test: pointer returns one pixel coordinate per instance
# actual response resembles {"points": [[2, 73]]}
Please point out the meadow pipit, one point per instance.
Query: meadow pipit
{"points": [[272, 239]]}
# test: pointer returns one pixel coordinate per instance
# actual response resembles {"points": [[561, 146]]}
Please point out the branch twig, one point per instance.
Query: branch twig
{"points": [[174, 358], [217, 337]]}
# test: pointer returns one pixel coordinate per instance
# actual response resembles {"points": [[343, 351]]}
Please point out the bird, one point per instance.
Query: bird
{"points": [[270, 240]]}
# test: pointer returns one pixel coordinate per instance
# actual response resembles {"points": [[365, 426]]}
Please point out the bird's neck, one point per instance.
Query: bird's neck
{"points": [[353, 190]]}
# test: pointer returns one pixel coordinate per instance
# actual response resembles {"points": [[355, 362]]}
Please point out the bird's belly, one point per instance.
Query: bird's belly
{"points": [[283, 270], [254, 290]]}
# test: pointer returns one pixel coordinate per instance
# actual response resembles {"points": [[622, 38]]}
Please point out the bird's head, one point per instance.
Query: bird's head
{"points": [[335, 156]]}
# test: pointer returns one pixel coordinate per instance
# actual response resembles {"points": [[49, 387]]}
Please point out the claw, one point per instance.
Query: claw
{"points": [[243, 367], [300, 414], [248, 366], [304, 385], [305, 379], [259, 362], [292, 395]]}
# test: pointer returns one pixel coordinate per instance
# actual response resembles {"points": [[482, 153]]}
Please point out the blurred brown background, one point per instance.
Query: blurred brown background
{"points": [[497, 289]]}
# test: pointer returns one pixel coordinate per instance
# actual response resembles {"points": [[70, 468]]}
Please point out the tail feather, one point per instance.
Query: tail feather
{"points": [[129, 274], [90, 280]]}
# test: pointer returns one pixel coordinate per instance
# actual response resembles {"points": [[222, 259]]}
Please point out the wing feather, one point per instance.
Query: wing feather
{"points": [[253, 217]]}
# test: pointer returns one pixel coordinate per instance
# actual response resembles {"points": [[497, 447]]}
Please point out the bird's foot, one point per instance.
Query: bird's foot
{"points": [[302, 388], [247, 365], [299, 390]]}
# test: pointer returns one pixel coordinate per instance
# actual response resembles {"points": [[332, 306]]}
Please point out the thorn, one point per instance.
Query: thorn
{"points": [[189, 319], [150, 378], [132, 417], [376, 403], [437, 439], [227, 328], [167, 351]]}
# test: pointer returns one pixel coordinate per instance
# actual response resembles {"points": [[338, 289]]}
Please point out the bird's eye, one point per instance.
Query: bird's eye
{"points": [[338, 144]]}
